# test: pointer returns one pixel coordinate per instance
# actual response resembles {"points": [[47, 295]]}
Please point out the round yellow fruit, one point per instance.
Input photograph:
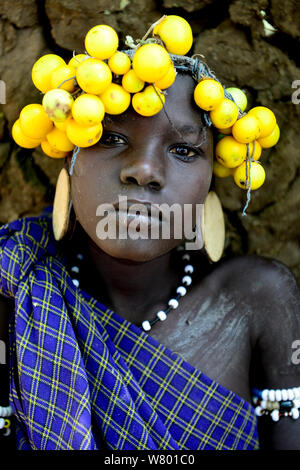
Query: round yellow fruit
{"points": [[224, 115], [84, 136], [34, 121], [220, 170], [51, 151], [257, 150], [226, 131], [115, 99], [148, 102], [58, 104], [266, 118], [246, 129], [257, 175], [131, 82], [88, 110], [167, 80], [101, 42], [42, 71], [208, 94], [21, 139], [176, 34], [151, 62], [271, 139], [119, 63], [229, 152], [62, 124], [59, 75], [93, 76], [76, 60], [239, 97], [59, 141]]}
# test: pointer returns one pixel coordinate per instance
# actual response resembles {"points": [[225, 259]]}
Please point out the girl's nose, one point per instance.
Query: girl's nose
{"points": [[143, 172]]}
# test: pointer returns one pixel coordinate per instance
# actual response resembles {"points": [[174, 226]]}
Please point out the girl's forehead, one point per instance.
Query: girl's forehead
{"points": [[179, 109]]}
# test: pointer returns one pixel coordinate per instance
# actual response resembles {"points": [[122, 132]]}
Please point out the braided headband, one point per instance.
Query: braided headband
{"points": [[104, 80]]}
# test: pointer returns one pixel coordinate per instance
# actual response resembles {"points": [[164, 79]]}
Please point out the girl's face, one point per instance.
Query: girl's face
{"points": [[158, 160]]}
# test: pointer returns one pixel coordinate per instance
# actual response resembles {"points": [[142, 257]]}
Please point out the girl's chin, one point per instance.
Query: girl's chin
{"points": [[136, 250]]}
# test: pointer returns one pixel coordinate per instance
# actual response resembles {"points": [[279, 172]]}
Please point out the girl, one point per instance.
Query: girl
{"points": [[126, 343]]}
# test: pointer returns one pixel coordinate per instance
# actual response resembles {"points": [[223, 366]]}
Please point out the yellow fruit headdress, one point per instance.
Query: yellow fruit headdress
{"points": [[105, 80]]}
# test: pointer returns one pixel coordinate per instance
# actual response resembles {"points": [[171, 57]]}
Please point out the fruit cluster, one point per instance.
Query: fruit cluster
{"points": [[105, 80], [241, 135]]}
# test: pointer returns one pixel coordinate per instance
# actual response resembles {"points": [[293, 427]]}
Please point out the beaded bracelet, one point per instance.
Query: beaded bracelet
{"points": [[277, 403], [5, 412]]}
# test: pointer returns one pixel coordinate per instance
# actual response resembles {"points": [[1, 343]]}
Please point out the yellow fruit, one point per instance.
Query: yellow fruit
{"points": [[167, 80], [93, 76], [229, 152], [246, 129], [224, 115], [151, 62], [51, 151], [59, 141], [119, 63], [84, 136], [148, 102], [34, 121], [61, 125], [88, 110], [208, 94], [76, 60], [115, 99], [271, 139], [58, 104], [257, 150], [176, 34], [101, 42], [42, 71], [59, 75], [131, 82], [220, 170], [257, 174], [266, 118], [226, 131], [239, 97], [21, 139]]}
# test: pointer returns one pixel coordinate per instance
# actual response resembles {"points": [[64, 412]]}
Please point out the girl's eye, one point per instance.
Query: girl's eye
{"points": [[109, 138], [185, 152]]}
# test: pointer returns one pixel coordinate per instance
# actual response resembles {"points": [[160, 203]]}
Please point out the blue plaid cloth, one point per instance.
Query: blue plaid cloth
{"points": [[82, 377]]}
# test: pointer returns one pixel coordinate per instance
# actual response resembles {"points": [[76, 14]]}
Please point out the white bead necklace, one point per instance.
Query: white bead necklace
{"points": [[173, 303]]}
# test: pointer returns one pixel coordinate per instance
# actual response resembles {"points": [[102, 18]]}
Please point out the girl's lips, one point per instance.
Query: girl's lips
{"points": [[143, 218], [152, 210]]}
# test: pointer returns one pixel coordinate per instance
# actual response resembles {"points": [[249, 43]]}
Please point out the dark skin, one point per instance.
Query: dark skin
{"points": [[240, 317]]}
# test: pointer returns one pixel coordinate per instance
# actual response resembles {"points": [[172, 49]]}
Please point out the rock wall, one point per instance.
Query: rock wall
{"points": [[231, 36]]}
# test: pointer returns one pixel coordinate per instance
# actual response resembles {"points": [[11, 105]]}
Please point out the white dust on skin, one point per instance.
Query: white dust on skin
{"points": [[215, 339]]}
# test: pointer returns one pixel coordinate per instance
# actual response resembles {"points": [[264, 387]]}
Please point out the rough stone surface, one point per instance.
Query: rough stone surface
{"points": [[231, 36], [21, 13], [70, 20], [187, 5], [286, 16]]}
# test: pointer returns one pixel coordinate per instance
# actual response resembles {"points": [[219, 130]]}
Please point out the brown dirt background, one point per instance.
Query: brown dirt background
{"points": [[231, 36]]}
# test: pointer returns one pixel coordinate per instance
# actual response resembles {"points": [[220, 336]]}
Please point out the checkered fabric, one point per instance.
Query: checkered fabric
{"points": [[82, 377]]}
